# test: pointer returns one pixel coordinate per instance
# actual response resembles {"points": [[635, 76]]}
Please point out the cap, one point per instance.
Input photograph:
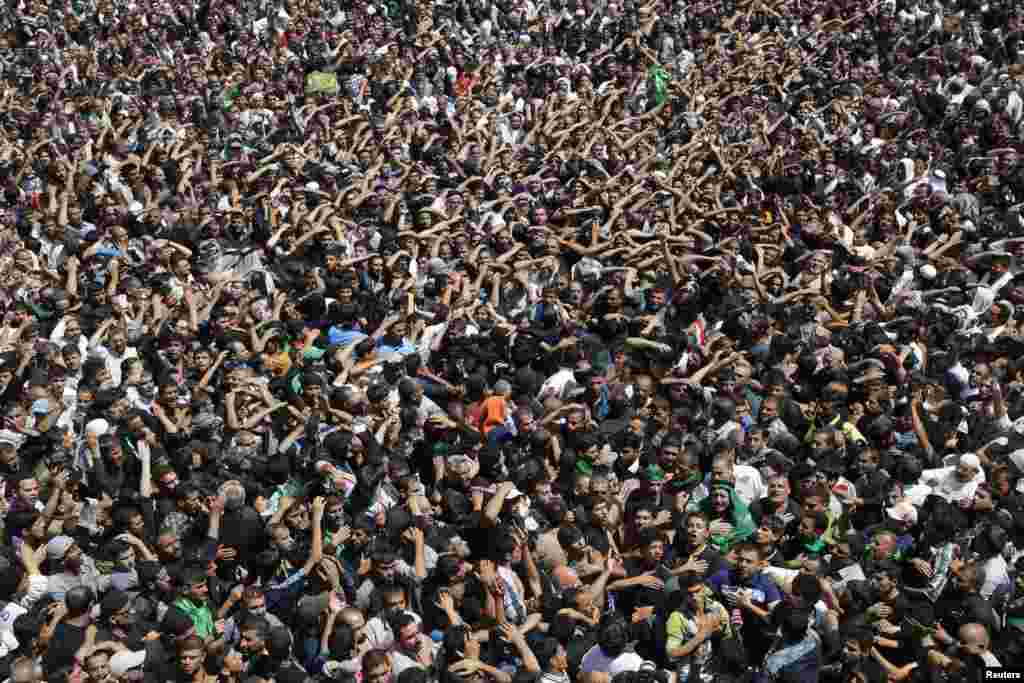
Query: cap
{"points": [[58, 546], [970, 460], [98, 426]]}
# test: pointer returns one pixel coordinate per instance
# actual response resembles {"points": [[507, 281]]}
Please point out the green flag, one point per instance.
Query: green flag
{"points": [[230, 95], [320, 81], [659, 78]]}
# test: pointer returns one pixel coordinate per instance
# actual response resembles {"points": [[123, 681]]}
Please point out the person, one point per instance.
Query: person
{"points": [[611, 653], [749, 590], [693, 628], [730, 520], [547, 306]]}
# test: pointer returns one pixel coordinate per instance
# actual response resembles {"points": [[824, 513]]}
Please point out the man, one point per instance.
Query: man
{"points": [[962, 603], [974, 640], [690, 629], [412, 648], [693, 554], [25, 670], [189, 665], [76, 569], [797, 654], [117, 620], [10, 442], [954, 482], [386, 567], [858, 641], [70, 633], [650, 574], [778, 501], [194, 602], [611, 655], [115, 352], [255, 633], [753, 593], [744, 478], [26, 494], [285, 593], [254, 603], [377, 667]]}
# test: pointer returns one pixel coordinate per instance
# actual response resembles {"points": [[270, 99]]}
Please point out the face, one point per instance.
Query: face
{"points": [[408, 636], [380, 673], [169, 481], [965, 472], [696, 531], [395, 600], [251, 643], [747, 564], [884, 546], [28, 491], [719, 500], [654, 552], [199, 591], [965, 578], [8, 455], [190, 661], [137, 525], [98, 668], [643, 519], [169, 546], [973, 641], [387, 570], [812, 505], [807, 529]]}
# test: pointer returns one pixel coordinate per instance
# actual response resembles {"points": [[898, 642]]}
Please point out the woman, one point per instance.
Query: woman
{"points": [[731, 522]]}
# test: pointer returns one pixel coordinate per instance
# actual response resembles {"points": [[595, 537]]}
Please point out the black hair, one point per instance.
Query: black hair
{"points": [[613, 635]]}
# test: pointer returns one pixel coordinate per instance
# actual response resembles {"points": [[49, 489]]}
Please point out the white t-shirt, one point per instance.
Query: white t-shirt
{"points": [[597, 660]]}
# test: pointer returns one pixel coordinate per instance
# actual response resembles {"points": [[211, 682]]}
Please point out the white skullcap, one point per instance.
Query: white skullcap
{"points": [[99, 427], [970, 460]]}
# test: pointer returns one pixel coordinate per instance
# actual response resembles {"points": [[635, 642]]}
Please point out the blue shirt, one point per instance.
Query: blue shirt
{"points": [[764, 590], [344, 338], [403, 348]]}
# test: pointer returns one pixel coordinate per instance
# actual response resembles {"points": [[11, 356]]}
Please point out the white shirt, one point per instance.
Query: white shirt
{"points": [[57, 337], [996, 575], [944, 483], [555, 384], [113, 361], [597, 661], [749, 486]]}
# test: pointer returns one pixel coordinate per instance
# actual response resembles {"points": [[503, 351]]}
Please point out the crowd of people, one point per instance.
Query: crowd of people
{"points": [[534, 341]]}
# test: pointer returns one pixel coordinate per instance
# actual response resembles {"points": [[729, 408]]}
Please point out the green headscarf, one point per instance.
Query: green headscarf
{"points": [[740, 518]]}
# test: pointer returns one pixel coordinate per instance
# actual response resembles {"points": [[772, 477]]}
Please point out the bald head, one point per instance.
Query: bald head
{"points": [[353, 617], [974, 638], [566, 577]]}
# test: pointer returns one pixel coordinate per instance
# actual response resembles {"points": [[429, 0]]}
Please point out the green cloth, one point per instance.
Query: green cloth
{"points": [[660, 78], [742, 522], [655, 473], [230, 95], [322, 82], [201, 616]]}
